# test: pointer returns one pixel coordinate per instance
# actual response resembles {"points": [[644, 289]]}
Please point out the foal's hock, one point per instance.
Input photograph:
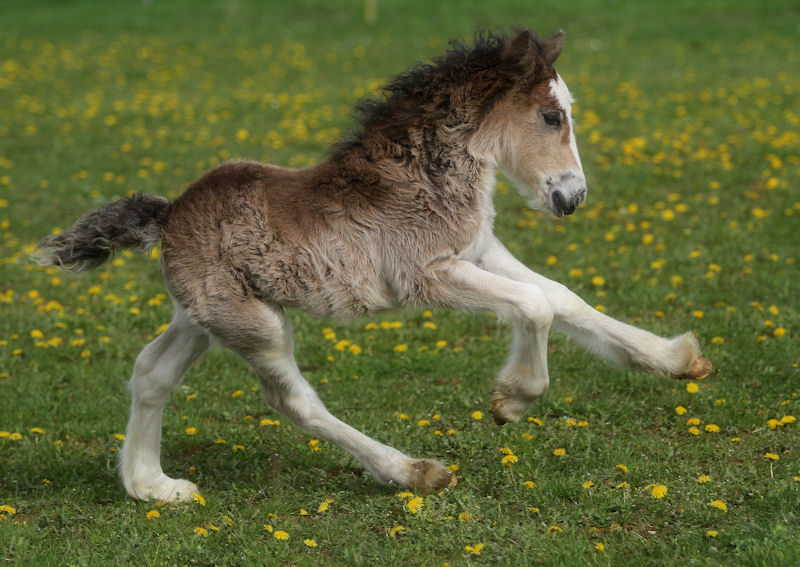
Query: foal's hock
{"points": [[399, 215]]}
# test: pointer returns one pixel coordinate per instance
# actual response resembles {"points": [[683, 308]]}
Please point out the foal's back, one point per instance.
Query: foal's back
{"points": [[285, 236]]}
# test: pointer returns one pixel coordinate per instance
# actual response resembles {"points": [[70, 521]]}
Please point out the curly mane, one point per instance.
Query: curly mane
{"points": [[454, 90]]}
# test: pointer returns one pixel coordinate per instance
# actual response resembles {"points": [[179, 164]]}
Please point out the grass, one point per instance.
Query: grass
{"points": [[688, 131]]}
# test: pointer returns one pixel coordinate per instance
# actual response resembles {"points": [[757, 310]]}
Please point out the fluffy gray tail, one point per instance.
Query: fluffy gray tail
{"points": [[133, 222]]}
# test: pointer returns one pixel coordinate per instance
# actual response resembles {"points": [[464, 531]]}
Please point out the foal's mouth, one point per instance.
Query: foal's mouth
{"points": [[562, 203]]}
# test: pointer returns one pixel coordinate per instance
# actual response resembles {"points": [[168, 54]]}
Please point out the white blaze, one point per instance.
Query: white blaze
{"points": [[559, 90]]}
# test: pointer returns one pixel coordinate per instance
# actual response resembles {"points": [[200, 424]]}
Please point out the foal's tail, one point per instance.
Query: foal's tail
{"points": [[133, 222]]}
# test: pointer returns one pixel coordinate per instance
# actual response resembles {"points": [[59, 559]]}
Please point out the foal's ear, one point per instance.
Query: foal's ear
{"points": [[553, 47], [519, 56]]}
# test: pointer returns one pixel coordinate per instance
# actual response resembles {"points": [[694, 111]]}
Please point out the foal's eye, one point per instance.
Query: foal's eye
{"points": [[552, 119]]}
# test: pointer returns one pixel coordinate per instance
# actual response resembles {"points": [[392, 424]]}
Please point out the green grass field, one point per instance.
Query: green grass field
{"points": [[688, 122]]}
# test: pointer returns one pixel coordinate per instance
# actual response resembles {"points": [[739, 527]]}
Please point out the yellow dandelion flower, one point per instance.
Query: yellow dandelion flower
{"points": [[324, 505], [474, 549], [152, 514], [477, 415], [464, 517], [554, 530], [693, 421], [281, 535], [509, 460], [201, 532], [190, 431], [622, 485], [719, 504], [401, 348], [441, 344], [199, 499], [529, 483], [599, 546], [659, 491], [680, 410], [423, 423], [692, 388], [703, 479], [588, 484], [560, 452], [268, 527], [712, 533], [772, 456], [598, 281], [788, 419], [452, 468], [395, 530], [37, 430], [310, 542], [342, 345], [623, 468], [415, 504], [694, 431], [712, 428], [6, 509]]}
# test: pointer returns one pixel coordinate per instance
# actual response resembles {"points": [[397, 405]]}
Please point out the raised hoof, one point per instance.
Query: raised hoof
{"points": [[700, 369]]}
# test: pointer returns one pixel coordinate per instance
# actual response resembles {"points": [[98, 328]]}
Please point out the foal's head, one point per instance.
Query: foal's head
{"points": [[530, 130]]}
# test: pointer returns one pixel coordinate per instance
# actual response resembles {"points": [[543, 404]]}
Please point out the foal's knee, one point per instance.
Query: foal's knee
{"points": [[535, 308]]}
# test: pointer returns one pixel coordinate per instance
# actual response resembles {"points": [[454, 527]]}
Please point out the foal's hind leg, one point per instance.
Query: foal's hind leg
{"points": [[158, 369], [261, 334]]}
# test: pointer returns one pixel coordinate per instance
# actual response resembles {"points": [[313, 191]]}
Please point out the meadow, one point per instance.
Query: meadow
{"points": [[688, 122]]}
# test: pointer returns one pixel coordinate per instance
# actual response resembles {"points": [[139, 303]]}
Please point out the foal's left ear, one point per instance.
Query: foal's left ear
{"points": [[553, 47]]}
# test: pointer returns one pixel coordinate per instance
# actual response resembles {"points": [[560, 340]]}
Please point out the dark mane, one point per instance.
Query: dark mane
{"points": [[453, 90]]}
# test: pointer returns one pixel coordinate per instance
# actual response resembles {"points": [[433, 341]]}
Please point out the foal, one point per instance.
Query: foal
{"points": [[399, 215]]}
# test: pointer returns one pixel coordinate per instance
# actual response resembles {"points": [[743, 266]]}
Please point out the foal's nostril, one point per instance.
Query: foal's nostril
{"points": [[559, 203], [581, 198]]}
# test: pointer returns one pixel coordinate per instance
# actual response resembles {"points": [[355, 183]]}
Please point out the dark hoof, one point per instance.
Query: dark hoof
{"points": [[700, 369]]}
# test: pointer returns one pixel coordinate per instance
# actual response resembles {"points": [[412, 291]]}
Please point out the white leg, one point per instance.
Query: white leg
{"points": [[158, 369], [623, 344], [524, 377], [262, 335]]}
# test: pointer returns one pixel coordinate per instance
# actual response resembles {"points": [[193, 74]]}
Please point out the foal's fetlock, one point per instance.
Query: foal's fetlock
{"points": [[427, 474]]}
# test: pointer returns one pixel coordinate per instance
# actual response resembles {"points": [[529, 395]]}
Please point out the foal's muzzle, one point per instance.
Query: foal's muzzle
{"points": [[563, 205], [566, 194]]}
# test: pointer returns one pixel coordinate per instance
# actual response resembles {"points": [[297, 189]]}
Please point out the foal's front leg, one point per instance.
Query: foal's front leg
{"points": [[619, 342], [464, 286]]}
